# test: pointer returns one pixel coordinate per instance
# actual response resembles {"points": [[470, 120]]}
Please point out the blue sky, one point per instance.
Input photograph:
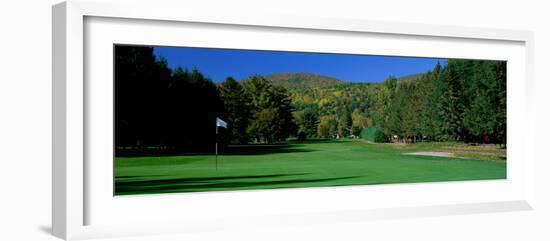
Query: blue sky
{"points": [[217, 64]]}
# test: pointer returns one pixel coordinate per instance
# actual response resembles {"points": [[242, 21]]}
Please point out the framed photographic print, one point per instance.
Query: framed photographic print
{"points": [[179, 123]]}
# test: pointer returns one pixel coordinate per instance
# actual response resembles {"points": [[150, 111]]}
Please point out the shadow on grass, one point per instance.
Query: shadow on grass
{"points": [[214, 183], [159, 153], [120, 177], [264, 149], [292, 146], [196, 179], [250, 149], [314, 141]]}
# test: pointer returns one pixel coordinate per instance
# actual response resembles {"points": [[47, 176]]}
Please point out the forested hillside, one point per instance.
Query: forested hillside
{"points": [[410, 77], [297, 80], [465, 100]]}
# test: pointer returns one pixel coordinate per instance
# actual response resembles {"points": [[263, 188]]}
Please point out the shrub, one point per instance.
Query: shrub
{"points": [[373, 134]]}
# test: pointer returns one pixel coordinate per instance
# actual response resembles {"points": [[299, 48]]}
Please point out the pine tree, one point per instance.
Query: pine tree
{"points": [[450, 105], [412, 111]]}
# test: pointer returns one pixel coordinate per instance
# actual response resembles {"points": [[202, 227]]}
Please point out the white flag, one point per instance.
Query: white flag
{"points": [[220, 122]]}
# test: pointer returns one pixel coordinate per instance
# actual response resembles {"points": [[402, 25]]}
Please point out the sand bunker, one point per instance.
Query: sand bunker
{"points": [[431, 153]]}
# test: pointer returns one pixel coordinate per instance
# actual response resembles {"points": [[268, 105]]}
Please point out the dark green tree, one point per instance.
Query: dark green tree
{"points": [[451, 106], [193, 103], [485, 118], [280, 101], [237, 109], [307, 121], [264, 125], [269, 102], [141, 82], [430, 95], [412, 111], [397, 111], [258, 88]]}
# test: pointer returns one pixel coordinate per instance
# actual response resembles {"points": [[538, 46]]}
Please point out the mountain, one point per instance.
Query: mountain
{"points": [[300, 80], [410, 77]]}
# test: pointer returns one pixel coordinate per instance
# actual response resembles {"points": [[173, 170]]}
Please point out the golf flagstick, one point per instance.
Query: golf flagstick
{"points": [[219, 122], [216, 146]]}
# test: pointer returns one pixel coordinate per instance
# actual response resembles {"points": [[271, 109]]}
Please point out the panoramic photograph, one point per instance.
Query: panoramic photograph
{"points": [[191, 119]]}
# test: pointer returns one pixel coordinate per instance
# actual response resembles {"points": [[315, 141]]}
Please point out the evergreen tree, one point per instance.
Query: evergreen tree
{"points": [[450, 105], [412, 111], [397, 111], [485, 119], [430, 120], [383, 96], [280, 101]]}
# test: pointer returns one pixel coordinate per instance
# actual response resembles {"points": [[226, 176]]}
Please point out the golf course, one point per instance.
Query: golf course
{"points": [[313, 163]]}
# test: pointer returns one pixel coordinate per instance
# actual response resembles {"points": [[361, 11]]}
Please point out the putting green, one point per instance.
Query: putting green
{"points": [[298, 164]]}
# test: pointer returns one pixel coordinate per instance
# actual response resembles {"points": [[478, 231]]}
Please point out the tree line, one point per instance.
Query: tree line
{"points": [[157, 108], [465, 100], [161, 109]]}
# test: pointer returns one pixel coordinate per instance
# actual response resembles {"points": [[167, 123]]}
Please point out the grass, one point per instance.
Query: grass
{"points": [[297, 164]]}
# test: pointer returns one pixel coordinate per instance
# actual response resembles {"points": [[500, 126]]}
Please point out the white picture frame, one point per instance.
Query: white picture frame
{"points": [[78, 194]]}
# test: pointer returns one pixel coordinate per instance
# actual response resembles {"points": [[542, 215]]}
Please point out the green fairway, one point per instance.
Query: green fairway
{"points": [[298, 164]]}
